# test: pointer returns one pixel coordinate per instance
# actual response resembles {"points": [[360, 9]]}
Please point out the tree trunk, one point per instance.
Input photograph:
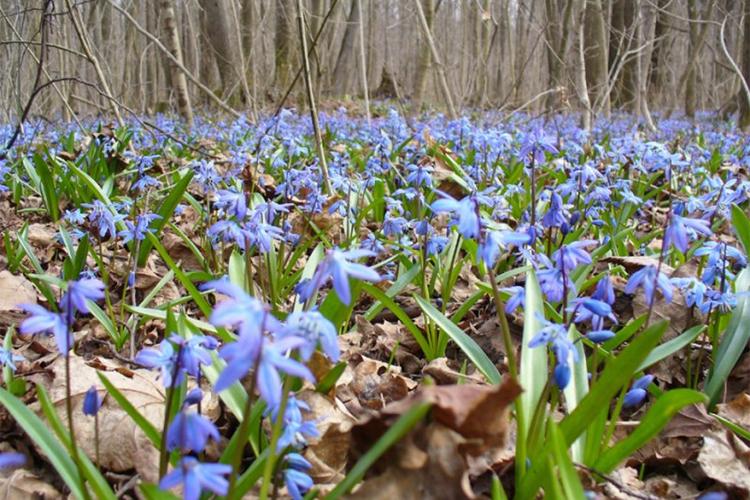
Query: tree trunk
{"points": [[595, 55], [218, 31], [179, 83], [744, 120], [423, 63], [620, 42], [657, 71], [346, 61], [284, 42]]}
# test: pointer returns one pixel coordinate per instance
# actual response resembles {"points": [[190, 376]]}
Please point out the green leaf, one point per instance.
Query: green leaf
{"points": [[577, 389], [247, 479], [732, 343], [618, 373], [152, 492], [533, 362], [147, 427], [165, 212], [571, 483], [741, 225], [670, 347], [659, 415], [55, 452], [329, 380], [737, 429], [49, 191], [393, 435], [462, 340]]}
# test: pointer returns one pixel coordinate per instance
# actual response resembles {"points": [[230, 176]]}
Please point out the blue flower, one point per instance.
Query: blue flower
{"points": [[190, 431], [241, 311], [81, 291], [42, 320], [647, 278], [7, 358], [273, 360], [234, 203], [556, 336], [194, 352], [604, 290], [103, 217], [92, 402], [556, 215], [294, 425], [12, 460], [164, 359], [637, 393], [338, 267], [138, 230], [517, 298], [568, 257], [681, 229], [197, 477], [465, 214], [314, 328], [297, 482]]}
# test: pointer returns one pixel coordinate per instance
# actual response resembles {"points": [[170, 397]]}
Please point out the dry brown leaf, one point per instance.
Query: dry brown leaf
{"points": [[124, 447], [22, 484], [443, 373], [691, 421], [14, 290], [434, 460], [724, 458], [737, 410], [327, 453], [375, 384]]}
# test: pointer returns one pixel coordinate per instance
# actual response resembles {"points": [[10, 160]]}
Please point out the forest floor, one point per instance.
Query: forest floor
{"points": [[483, 307]]}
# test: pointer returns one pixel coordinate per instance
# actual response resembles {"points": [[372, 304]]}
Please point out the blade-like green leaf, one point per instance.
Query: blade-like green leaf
{"points": [[732, 343], [43, 438], [670, 347], [577, 389], [659, 415], [741, 225], [462, 340], [533, 363], [571, 483]]}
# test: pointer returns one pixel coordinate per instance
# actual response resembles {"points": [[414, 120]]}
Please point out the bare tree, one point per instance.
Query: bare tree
{"points": [[179, 82]]}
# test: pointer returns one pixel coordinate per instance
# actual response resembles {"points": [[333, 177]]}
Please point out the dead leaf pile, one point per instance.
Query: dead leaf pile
{"points": [[437, 459]]}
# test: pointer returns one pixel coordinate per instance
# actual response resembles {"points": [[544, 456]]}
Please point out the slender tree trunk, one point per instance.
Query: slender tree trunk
{"points": [[217, 28], [179, 83]]}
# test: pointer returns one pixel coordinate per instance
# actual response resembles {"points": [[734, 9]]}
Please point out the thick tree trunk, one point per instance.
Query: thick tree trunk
{"points": [[346, 61], [179, 83], [423, 63], [284, 42], [218, 31], [620, 43], [595, 55]]}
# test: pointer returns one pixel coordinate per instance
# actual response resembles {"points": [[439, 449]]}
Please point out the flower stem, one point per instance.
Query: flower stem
{"points": [[163, 452], [275, 434], [73, 444]]}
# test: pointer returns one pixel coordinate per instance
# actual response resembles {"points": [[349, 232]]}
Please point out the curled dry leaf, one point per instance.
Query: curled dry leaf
{"points": [[327, 453], [22, 484], [122, 446], [737, 410], [434, 460], [724, 458], [443, 373], [14, 290]]}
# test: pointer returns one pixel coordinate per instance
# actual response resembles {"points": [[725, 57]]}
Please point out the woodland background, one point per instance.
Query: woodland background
{"points": [[147, 56]]}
